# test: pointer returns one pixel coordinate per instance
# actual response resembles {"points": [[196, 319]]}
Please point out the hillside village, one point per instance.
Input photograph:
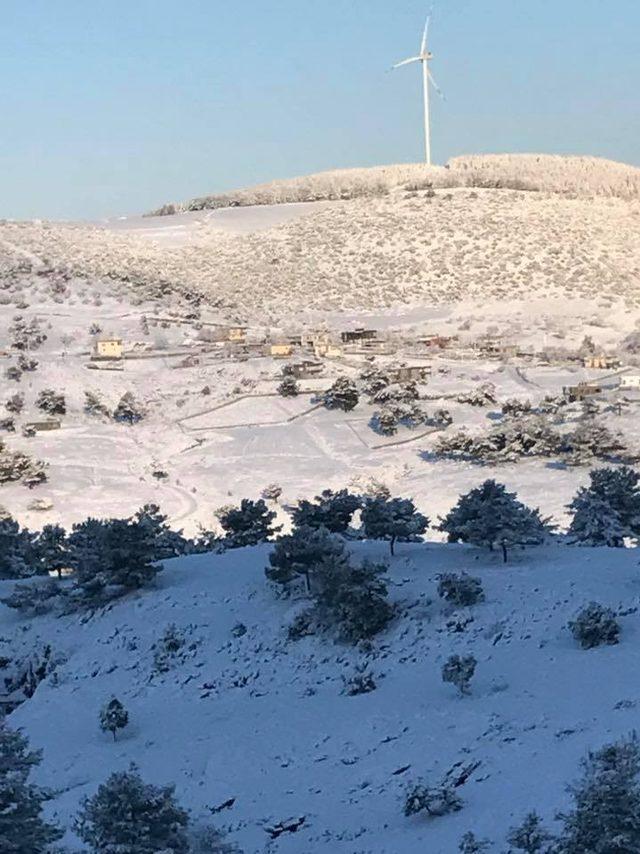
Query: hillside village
{"points": [[319, 503]]}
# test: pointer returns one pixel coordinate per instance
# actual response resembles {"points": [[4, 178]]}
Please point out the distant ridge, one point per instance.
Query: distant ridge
{"points": [[580, 176]]}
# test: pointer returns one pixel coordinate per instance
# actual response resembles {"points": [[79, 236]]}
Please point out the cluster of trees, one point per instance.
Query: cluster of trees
{"points": [[534, 436], [16, 466], [604, 818], [26, 334], [108, 557], [126, 814]]}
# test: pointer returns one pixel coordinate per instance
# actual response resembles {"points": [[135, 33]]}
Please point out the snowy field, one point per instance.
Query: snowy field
{"points": [[264, 720]]}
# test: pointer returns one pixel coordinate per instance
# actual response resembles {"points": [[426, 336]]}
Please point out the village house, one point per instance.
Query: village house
{"points": [[108, 348], [327, 350], [306, 369], [44, 425], [408, 373], [601, 362], [437, 342], [237, 334], [281, 351], [630, 381], [581, 391], [359, 334]]}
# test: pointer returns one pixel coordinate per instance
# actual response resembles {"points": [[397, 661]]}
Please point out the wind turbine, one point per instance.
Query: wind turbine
{"points": [[425, 56]]}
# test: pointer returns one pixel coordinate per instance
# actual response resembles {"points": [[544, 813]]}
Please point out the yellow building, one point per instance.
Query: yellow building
{"points": [[237, 334], [327, 350], [109, 348], [281, 351]]}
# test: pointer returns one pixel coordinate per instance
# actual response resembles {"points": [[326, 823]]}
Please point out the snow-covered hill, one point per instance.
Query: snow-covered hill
{"points": [[254, 716]]}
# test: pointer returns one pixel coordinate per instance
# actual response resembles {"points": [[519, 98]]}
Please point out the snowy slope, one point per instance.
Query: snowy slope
{"points": [[263, 719]]}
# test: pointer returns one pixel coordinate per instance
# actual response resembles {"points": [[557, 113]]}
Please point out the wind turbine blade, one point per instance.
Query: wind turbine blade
{"points": [[407, 61], [435, 86], [425, 34]]}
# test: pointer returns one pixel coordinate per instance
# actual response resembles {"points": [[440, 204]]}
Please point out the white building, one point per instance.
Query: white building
{"points": [[630, 381]]}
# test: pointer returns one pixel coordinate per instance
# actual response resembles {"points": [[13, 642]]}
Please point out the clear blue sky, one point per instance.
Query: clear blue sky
{"points": [[116, 106]]}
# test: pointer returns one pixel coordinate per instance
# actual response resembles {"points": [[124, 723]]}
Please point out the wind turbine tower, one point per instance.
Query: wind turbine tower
{"points": [[425, 56]]}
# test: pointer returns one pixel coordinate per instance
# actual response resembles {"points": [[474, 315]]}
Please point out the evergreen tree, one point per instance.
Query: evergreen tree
{"points": [[113, 716], [606, 813], [128, 410], [167, 543], [490, 516], [112, 552], [17, 559], [128, 815], [51, 402], [15, 404], [50, 548], [343, 394], [331, 510], [531, 836], [288, 387], [249, 524], [22, 828], [295, 555], [392, 519], [608, 510]]}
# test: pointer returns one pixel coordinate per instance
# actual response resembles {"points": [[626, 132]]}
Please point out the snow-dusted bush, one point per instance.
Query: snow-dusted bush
{"points": [[470, 844], [482, 395], [594, 626], [127, 814], [16, 466], [362, 681], [129, 410], [343, 395], [51, 402], [288, 387], [435, 801], [166, 650], [459, 670], [460, 590]]}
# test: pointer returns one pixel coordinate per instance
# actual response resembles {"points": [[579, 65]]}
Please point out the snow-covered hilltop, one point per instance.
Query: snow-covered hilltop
{"points": [[246, 717]]}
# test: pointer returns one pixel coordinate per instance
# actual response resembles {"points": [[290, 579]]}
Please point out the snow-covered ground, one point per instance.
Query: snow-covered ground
{"points": [[263, 720]]}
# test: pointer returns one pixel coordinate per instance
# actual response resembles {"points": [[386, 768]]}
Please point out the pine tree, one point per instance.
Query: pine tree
{"points": [[608, 510], [52, 402], [167, 543], [22, 828], [392, 519], [128, 815], [606, 813], [17, 558], [331, 510], [249, 524], [50, 548], [113, 716], [296, 554], [288, 387], [112, 553], [343, 394], [490, 516], [531, 836]]}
